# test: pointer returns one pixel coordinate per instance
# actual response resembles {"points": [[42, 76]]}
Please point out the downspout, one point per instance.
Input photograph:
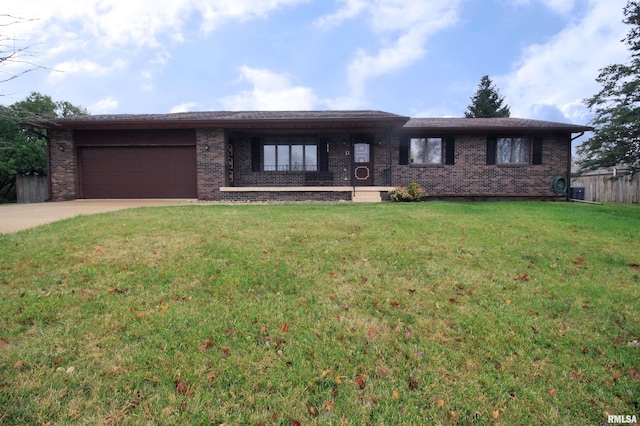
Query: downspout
{"points": [[579, 135]]}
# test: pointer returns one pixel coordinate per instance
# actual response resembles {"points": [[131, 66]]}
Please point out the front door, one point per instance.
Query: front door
{"points": [[363, 163]]}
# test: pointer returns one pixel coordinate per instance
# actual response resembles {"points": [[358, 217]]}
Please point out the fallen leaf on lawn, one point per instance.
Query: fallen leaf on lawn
{"points": [[413, 383], [453, 417], [440, 403], [360, 381], [3, 343], [164, 308], [18, 364], [211, 376], [295, 423], [554, 266], [633, 344], [70, 370], [140, 314], [205, 346], [326, 372], [578, 261], [338, 381], [496, 415], [285, 327], [508, 301], [312, 410], [396, 394], [329, 405], [634, 373], [181, 387], [58, 360], [553, 392], [331, 296], [524, 277], [372, 332], [394, 304]]}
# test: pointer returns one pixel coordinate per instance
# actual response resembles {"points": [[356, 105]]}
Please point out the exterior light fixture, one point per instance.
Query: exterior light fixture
{"points": [[206, 147]]}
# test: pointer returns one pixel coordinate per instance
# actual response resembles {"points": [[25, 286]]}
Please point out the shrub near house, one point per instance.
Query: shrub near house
{"points": [[413, 192]]}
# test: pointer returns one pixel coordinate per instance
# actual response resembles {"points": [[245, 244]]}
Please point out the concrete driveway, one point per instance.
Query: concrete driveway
{"points": [[16, 217]]}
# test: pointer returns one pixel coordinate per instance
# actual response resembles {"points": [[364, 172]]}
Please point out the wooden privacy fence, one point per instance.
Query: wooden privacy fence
{"points": [[605, 187], [32, 189]]}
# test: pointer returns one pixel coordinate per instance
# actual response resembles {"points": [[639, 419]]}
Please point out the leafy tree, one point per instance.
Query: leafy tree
{"points": [[487, 102], [23, 152], [616, 140]]}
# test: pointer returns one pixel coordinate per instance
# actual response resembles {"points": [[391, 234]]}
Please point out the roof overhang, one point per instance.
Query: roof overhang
{"points": [[239, 121], [489, 126]]}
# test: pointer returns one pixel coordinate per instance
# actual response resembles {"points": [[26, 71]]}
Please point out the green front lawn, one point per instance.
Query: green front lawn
{"points": [[427, 313]]}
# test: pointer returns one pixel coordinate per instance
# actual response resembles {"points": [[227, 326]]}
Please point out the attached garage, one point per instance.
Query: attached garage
{"points": [[136, 164]]}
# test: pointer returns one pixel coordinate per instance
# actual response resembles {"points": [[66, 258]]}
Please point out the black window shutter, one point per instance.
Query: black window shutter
{"points": [[255, 154], [323, 155], [449, 149], [537, 150], [404, 151], [491, 150]]}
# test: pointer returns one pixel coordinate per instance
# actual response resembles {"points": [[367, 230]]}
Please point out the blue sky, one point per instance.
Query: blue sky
{"points": [[420, 58]]}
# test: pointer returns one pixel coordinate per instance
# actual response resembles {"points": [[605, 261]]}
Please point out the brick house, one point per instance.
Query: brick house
{"points": [[305, 155]]}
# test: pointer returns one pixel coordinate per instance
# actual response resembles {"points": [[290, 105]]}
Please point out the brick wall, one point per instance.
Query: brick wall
{"points": [[211, 166], [293, 196], [63, 168], [470, 176]]}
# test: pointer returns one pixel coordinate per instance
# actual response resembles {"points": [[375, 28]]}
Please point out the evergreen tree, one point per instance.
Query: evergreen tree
{"points": [[616, 140], [487, 102]]}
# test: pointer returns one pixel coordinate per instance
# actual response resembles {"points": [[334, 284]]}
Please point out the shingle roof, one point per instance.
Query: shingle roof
{"points": [[226, 119], [303, 119], [491, 125]]}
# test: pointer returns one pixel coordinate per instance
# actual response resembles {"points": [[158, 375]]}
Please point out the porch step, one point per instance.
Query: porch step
{"points": [[360, 196]]}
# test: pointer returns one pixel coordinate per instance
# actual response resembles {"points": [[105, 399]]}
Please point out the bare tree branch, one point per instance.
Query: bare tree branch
{"points": [[13, 54]]}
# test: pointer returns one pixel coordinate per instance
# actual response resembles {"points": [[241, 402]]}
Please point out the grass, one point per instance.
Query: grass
{"points": [[429, 313]]}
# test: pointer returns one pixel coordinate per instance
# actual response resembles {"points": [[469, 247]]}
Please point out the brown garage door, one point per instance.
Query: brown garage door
{"points": [[138, 172]]}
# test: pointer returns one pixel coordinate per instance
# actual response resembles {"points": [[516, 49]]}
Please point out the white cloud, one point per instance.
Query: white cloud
{"points": [[351, 9], [403, 27], [184, 107], [117, 23], [270, 91], [104, 106], [558, 6], [562, 72], [84, 67], [216, 12]]}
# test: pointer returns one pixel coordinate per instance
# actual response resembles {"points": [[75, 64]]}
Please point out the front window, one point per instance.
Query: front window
{"points": [[290, 153], [512, 151], [425, 151]]}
